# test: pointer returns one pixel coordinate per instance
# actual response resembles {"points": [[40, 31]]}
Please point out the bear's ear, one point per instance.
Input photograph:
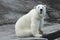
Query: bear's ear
{"points": [[34, 7], [44, 5]]}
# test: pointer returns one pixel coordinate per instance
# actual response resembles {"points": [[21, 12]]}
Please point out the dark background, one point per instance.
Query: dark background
{"points": [[11, 10]]}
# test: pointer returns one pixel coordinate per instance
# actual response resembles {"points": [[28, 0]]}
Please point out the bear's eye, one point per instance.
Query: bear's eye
{"points": [[38, 7]]}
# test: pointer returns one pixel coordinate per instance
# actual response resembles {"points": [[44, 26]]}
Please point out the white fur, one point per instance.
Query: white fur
{"points": [[30, 23]]}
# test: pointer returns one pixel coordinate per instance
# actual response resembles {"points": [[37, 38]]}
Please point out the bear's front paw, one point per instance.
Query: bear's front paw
{"points": [[38, 35]]}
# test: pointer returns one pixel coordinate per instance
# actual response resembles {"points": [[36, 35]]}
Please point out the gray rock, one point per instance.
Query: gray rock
{"points": [[7, 32]]}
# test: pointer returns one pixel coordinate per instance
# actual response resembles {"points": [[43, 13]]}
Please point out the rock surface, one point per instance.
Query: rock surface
{"points": [[7, 32]]}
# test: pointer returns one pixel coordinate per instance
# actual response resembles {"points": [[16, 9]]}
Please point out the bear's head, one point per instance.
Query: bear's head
{"points": [[41, 9]]}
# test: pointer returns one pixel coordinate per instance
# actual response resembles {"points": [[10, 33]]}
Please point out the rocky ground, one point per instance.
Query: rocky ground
{"points": [[7, 31]]}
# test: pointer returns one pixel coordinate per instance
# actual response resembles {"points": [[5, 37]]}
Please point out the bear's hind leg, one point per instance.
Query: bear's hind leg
{"points": [[24, 33]]}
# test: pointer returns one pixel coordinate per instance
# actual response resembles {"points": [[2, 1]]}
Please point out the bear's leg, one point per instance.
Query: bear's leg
{"points": [[35, 27], [23, 33], [41, 25]]}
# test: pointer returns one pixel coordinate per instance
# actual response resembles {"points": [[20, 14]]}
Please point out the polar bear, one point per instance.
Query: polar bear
{"points": [[31, 23]]}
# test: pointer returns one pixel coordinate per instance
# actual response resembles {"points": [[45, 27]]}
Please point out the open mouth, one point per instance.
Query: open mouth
{"points": [[41, 11]]}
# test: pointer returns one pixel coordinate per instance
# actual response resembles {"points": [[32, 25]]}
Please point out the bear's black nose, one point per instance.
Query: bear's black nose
{"points": [[41, 9]]}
